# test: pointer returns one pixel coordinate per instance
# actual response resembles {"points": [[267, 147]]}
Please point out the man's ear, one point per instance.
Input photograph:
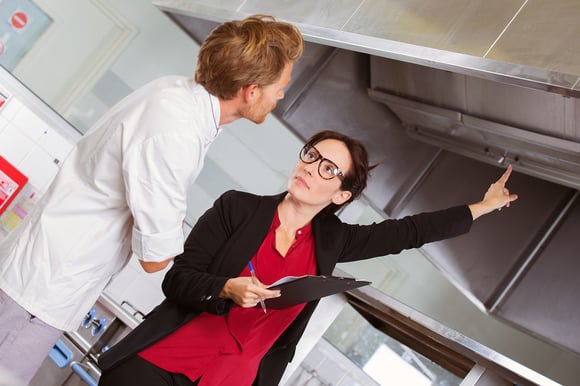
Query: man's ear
{"points": [[341, 197], [250, 92]]}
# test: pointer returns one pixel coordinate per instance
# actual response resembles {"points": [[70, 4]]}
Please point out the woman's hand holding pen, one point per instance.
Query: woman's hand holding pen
{"points": [[245, 293], [496, 197]]}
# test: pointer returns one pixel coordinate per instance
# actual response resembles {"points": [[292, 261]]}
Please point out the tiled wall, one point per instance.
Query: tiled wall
{"points": [[31, 140], [28, 141]]}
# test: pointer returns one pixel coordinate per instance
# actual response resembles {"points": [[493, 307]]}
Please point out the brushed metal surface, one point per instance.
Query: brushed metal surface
{"points": [[332, 14], [545, 300], [467, 27], [543, 35], [480, 262], [527, 108], [455, 32]]}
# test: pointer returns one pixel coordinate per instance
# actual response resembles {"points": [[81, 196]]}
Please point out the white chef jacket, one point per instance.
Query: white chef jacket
{"points": [[122, 190]]}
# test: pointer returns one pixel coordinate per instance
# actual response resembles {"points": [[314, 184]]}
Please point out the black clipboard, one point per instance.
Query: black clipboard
{"points": [[302, 289]]}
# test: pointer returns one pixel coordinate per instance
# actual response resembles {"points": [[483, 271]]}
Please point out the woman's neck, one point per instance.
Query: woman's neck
{"points": [[294, 215]]}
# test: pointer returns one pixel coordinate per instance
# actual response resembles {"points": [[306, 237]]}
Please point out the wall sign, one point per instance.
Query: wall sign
{"points": [[22, 23], [11, 183]]}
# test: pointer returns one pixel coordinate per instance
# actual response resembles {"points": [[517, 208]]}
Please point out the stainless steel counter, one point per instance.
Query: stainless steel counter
{"points": [[124, 311], [73, 360]]}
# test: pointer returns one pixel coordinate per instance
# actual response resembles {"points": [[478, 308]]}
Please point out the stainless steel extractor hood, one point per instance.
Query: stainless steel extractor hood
{"points": [[445, 95]]}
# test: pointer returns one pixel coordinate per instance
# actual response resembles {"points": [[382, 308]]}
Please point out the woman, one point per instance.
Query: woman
{"points": [[209, 331]]}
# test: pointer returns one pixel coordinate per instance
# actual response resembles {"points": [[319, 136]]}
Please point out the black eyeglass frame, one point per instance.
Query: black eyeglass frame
{"points": [[337, 172]]}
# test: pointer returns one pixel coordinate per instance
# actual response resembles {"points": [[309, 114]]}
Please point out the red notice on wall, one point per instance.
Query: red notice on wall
{"points": [[11, 183]]}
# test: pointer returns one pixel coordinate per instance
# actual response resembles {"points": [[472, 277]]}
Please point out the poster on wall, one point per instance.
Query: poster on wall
{"points": [[21, 208], [21, 24], [11, 183]]}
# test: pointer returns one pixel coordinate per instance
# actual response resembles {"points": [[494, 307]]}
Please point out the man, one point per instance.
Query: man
{"points": [[122, 190]]}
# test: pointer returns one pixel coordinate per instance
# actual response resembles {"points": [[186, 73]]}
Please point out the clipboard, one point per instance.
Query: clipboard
{"points": [[302, 289]]}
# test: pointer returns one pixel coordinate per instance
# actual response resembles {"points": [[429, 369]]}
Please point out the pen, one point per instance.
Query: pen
{"points": [[255, 280]]}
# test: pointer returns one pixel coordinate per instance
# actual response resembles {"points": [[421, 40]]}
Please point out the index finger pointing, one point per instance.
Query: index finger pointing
{"points": [[503, 179]]}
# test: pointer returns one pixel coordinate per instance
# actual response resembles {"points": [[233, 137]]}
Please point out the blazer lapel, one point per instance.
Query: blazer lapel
{"points": [[243, 245]]}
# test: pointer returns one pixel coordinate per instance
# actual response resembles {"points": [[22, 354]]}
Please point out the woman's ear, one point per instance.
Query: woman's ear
{"points": [[341, 197]]}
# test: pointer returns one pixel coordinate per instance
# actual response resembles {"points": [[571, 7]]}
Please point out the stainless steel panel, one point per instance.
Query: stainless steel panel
{"points": [[484, 120], [467, 27], [437, 87], [182, 10], [325, 13], [526, 108], [545, 301], [531, 75], [480, 262], [572, 111], [545, 35], [539, 155], [226, 4], [313, 62], [197, 29]]}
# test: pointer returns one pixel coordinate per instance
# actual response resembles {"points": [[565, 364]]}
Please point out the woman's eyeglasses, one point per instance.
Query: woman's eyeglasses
{"points": [[326, 168]]}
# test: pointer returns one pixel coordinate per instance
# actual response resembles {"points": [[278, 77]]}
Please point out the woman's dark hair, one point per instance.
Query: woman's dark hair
{"points": [[355, 180]]}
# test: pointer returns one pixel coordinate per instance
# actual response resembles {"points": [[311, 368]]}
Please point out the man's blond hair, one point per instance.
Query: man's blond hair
{"points": [[243, 52]]}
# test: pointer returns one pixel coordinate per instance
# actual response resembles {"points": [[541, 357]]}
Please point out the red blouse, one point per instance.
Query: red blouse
{"points": [[227, 350]]}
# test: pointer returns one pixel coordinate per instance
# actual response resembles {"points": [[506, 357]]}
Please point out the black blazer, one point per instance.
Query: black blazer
{"points": [[228, 235]]}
